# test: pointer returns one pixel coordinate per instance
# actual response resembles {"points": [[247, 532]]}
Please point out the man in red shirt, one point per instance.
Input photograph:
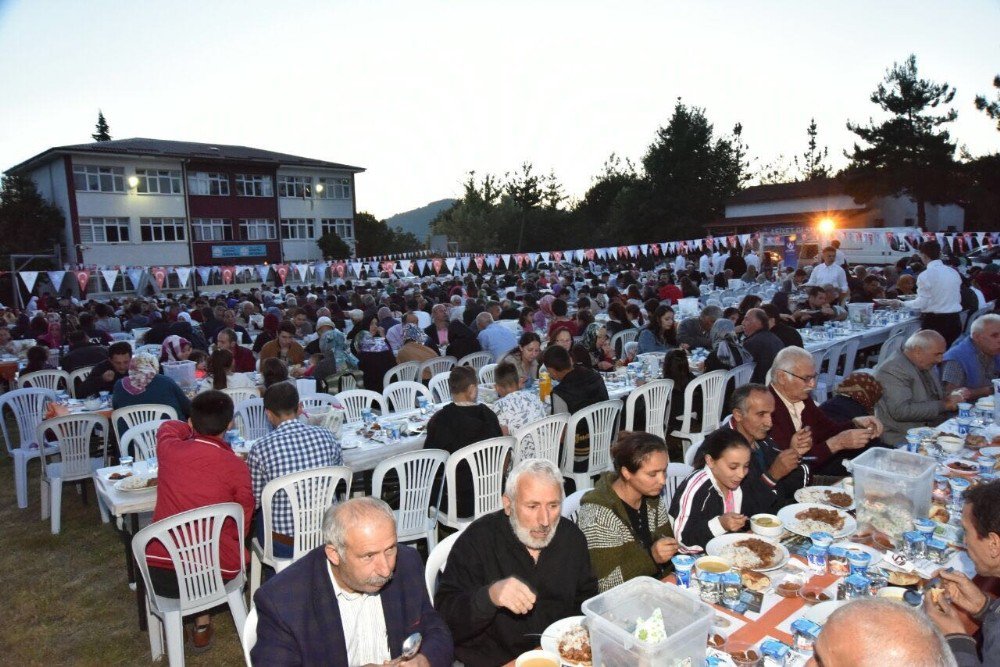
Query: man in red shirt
{"points": [[198, 468], [243, 359]]}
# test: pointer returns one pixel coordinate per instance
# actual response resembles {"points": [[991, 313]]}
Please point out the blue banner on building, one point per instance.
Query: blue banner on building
{"points": [[791, 255], [221, 251]]}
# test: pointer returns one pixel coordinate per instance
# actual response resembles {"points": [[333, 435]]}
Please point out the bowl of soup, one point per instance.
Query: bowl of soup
{"points": [[766, 525], [537, 658], [712, 564]]}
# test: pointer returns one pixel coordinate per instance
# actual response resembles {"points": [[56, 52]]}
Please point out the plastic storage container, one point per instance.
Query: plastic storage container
{"points": [[860, 313], [613, 614], [181, 372], [891, 488]]}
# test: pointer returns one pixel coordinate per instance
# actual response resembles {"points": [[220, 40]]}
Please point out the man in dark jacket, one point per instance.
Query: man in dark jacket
{"points": [[789, 336], [106, 373], [762, 345], [579, 388], [82, 352]]}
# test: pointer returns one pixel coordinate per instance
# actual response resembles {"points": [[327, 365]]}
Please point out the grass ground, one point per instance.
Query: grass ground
{"points": [[64, 599]]}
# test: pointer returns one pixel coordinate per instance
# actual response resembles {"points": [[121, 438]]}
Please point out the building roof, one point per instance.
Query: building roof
{"points": [[180, 150], [819, 187]]}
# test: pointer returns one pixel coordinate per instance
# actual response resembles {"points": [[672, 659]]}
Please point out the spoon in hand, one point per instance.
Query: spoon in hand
{"points": [[411, 646]]}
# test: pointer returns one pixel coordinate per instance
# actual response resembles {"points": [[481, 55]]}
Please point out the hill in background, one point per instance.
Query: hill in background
{"points": [[418, 221]]}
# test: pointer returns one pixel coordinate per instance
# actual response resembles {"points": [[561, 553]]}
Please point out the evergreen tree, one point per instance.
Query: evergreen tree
{"points": [[28, 223], [991, 108], [778, 171], [101, 131], [333, 247], [814, 159], [911, 153]]}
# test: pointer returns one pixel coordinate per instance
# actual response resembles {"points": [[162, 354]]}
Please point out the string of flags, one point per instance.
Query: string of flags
{"points": [[426, 263]]}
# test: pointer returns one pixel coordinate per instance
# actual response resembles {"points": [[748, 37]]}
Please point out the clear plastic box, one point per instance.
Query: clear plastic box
{"points": [[891, 488], [612, 616], [181, 372]]}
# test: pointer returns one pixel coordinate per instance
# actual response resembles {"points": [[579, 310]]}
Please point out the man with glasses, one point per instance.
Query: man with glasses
{"points": [[793, 377]]}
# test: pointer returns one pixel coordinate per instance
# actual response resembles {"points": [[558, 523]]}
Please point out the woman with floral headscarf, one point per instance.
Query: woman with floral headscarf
{"points": [[144, 384], [544, 314], [414, 349], [855, 396], [175, 348], [598, 344]]}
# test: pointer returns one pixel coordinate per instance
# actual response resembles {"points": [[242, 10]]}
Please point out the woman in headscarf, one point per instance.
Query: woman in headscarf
{"points": [[544, 314], [337, 359], [727, 353], [53, 336], [598, 344], [144, 384], [855, 396], [413, 348], [175, 348]]}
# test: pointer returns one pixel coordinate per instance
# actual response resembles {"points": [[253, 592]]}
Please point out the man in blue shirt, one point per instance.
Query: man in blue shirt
{"points": [[494, 338]]}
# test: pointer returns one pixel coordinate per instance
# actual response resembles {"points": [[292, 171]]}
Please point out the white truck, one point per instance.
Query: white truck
{"points": [[864, 245]]}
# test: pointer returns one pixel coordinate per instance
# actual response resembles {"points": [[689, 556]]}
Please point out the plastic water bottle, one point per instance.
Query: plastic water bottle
{"points": [[996, 401]]}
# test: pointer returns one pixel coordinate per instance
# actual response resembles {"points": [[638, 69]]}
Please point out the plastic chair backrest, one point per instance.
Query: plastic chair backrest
{"points": [[848, 354], [79, 375], [416, 472], [891, 346], [310, 493], [437, 560], [242, 394], [402, 396], [571, 505], [656, 397], [476, 359], [355, 400], [712, 385], [72, 434], [602, 423], [676, 473], [540, 439], [436, 365], [192, 541], [134, 415], [629, 350], [251, 420], [404, 371], [47, 379], [741, 374], [142, 438], [440, 389], [28, 406], [486, 460], [487, 374], [624, 336]]}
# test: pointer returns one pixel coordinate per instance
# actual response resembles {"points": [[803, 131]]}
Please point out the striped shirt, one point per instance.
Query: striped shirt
{"points": [[699, 504], [363, 620], [291, 447]]}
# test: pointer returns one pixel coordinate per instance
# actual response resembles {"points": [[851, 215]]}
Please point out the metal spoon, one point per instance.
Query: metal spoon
{"points": [[916, 598], [411, 646]]}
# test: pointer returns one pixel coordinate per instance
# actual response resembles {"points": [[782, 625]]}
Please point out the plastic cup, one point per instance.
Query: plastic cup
{"points": [[965, 409], [682, 569], [821, 539], [858, 561], [912, 442], [964, 424]]}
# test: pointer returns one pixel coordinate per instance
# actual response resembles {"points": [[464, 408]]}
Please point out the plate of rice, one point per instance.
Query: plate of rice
{"points": [[833, 496], [807, 518], [746, 551]]}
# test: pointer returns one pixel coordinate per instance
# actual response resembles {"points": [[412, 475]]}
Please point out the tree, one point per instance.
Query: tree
{"points": [[28, 223], [333, 247], [991, 109], [101, 131], [814, 159], [911, 153], [374, 237], [777, 171]]}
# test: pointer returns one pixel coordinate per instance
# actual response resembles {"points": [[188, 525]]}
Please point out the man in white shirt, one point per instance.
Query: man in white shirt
{"points": [[939, 297], [829, 272], [705, 265], [719, 261], [752, 259], [841, 259]]}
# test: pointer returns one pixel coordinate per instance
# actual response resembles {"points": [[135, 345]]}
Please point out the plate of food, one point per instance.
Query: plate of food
{"points": [[875, 554], [820, 612], [807, 518], [990, 451], [962, 467], [569, 639], [748, 552], [834, 496], [755, 581], [136, 483]]}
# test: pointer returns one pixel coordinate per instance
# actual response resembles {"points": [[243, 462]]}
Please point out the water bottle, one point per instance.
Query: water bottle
{"points": [[996, 401]]}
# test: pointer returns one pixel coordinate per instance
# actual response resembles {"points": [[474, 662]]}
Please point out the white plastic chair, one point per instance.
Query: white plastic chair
{"points": [[624, 336], [241, 394], [825, 362], [676, 473], [356, 400], [656, 397], [55, 380], [72, 438], [310, 493], [487, 374], [439, 387], [712, 385], [437, 560], [601, 420], [152, 350], [571, 505], [477, 360], [540, 439], [486, 460], [405, 371], [251, 420], [347, 382], [691, 453], [435, 366], [892, 345], [28, 406], [416, 518], [192, 541], [629, 350], [319, 402], [142, 438], [249, 635], [740, 374], [402, 396], [79, 375], [134, 415]]}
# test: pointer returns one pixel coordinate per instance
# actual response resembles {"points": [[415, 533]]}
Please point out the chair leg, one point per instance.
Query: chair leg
{"points": [[21, 479], [255, 574], [46, 499], [174, 625], [156, 630], [238, 607]]}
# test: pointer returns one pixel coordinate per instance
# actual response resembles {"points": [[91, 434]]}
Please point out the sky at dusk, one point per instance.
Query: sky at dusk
{"points": [[419, 93]]}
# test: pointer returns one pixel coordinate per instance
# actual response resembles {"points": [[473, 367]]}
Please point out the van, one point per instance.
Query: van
{"points": [[876, 249]]}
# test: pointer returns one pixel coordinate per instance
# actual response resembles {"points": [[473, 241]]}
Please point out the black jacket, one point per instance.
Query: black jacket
{"points": [[581, 388]]}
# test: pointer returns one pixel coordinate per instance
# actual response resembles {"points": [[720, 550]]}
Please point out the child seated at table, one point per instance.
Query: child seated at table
{"points": [[718, 497]]}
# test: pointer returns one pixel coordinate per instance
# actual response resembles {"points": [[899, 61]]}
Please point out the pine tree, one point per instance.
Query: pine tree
{"points": [[991, 108], [813, 160], [101, 131]]}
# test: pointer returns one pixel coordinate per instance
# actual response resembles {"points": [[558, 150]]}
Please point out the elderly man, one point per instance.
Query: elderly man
{"points": [[694, 331], [437, 332], [829, 272], [512, 573], [494, 338], [762, 345], [352, 601], [243, 359], [903, 637], [974, 362], [912, 393], [793, 377], [981, 521]]}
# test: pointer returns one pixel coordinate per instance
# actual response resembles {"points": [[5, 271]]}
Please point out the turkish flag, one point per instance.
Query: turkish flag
{"points": [[83, 279], [479, 262], [282, 271], [228, 273], [159, 275], [557, 255], [437, 263], [340, 269]]}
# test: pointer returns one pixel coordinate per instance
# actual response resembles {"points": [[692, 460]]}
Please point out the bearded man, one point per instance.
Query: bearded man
{"points": [[513, 573]]}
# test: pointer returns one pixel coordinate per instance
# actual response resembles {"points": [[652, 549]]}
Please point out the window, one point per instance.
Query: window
{"points": [[211, 229], [254, 185], [208, 183], [104, 230], [342, 227], [256, 229], [295, 186], [162, 229], [158, 182], [335, 188], [297, 228], [91, 178]]}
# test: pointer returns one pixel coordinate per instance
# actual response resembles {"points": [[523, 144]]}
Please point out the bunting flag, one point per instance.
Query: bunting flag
{"points": [[338, 269], [557, 255], [633, 250], [450, 263], [183, 273], [421, 265], [356, 267], [135, 276], [204, 272], [262, 271], [29, 278], [56, 277], [372, 269], [533, 257], [479, 262], [389, 266], [590, 254], [319, 271], [505, 260], [302, 269], [436, 264], [281, 271], [579, 255], [545, 256], [228, 274], [110, 276], [83, 280], [159, 275]]}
